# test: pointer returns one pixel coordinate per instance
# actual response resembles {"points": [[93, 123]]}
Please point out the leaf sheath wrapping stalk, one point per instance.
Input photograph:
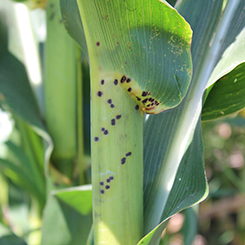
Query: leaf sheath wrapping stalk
{"points": [[60, 84], [117, 162], [139, 62]]}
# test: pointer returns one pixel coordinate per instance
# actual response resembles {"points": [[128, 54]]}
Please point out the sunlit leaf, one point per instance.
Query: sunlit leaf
{"points": [[166, 145], [226, 96], [153, 50], [63, 225], [79, 198]]}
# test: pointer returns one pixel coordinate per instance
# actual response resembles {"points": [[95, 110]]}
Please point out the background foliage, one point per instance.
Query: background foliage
{"points": [[45, 202]]}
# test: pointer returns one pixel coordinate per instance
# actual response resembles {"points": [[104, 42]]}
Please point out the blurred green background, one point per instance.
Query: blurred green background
{"points": [[221, 217]]}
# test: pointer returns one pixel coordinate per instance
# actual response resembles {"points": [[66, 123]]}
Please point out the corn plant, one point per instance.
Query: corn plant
{"points": [[151, 72]]}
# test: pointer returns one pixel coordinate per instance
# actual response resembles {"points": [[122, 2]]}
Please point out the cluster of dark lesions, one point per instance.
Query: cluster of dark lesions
{"points": [[123, 160], [113, 120], [109, 101], [104, 185], [105, 131], [147, 101], [144, 98]]}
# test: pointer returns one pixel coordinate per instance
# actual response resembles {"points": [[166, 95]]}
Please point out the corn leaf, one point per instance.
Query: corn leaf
{"points": [[225, 93], [79, 198], [16, 94], [63, 225], [226, 96], [166, 147], [153, 50]]}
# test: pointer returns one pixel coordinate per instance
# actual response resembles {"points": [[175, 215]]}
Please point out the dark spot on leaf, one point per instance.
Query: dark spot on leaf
{"points": [[101, 183], [115, 82], [96, 138], [111, 178], [102, 191], [144, 101], [118, 117], [107, 187], [139, 99], [137, 107], [151, 99], [106, 132], [123, 79], [102, 129], [102, 82], [98, 44], [123, 160], [113, 121], [129, 89], [109, 101], [112, 106], [128, 80], [99, 93], [108, 180], [144, 93], [128, 154]]}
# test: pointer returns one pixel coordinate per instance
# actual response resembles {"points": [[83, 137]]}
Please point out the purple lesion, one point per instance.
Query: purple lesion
{"points": [[103, 187]]}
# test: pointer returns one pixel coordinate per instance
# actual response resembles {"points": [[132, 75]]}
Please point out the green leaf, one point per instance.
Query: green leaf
{"points": [[142, 46], [9, 238], [63, 225], [21, 100], [28, 168], [166, 149], [16, 94], [189, 187], [226, 96], [165, 146], [20, 176], [231, 52], [190, 226], [79, 198], [225, 92], [19, 156], [73, 23]]}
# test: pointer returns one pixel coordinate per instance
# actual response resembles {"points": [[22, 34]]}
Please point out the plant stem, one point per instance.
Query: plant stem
{"points": [[116, 149], [117, 162], [60, 89]]}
